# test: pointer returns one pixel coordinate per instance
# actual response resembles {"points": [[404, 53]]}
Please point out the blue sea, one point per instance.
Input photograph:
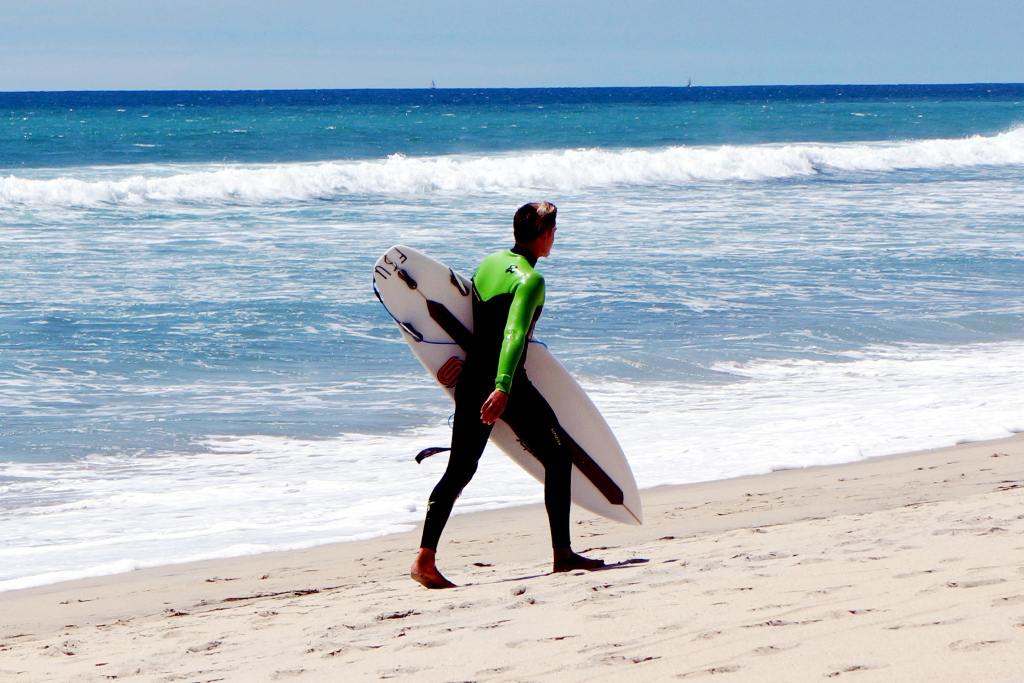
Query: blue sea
{"points": [[193, 363]]}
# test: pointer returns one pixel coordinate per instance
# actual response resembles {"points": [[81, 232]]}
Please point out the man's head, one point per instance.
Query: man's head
{"points": [[533, 221]]}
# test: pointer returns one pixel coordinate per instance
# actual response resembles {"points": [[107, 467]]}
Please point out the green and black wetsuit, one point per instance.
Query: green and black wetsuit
{"points": [[508, 296]]}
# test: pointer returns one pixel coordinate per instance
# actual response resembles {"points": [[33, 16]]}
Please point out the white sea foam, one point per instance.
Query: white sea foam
{"points": [[563, 170], [251, 494], [796, 413]]}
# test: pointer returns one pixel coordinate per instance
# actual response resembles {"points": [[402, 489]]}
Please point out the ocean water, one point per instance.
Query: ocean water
{"points": [[193, 364]]}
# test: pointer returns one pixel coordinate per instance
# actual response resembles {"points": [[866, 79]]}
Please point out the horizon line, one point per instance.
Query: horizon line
{"points": [[535, 87]]}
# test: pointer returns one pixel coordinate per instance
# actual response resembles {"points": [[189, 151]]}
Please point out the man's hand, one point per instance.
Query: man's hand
{"points": [[493, 407]]}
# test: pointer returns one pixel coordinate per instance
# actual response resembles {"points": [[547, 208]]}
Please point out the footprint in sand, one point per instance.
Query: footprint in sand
{"points": [[1011, 600], [65, 649], [285, 674], [849, 669], [206, 647], [619, 659], [713, 671], [773, 606], [494, 672], [774, 649], [397, 615], [496, 624], [974, 584], [912, 574], [707, 635], [969, 646], [944, 622]]}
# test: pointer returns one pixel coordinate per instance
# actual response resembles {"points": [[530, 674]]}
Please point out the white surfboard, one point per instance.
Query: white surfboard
{"points": [[432, 305]]}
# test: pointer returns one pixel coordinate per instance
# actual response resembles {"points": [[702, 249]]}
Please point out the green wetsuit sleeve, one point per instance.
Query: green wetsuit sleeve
{"points": [[528, 296]]}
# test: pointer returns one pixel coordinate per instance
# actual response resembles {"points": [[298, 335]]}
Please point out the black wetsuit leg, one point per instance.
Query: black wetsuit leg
{"points": [[469, 436], [534, 423]]}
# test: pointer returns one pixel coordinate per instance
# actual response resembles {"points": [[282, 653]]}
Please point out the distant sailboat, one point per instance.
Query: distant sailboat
{"points": [[688, 82], [432, 86]]}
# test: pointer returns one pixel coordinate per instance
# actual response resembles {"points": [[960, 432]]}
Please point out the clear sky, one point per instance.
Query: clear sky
{"points": [[258, 44]]}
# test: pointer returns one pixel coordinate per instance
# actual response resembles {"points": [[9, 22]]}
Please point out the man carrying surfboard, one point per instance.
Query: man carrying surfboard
{"points": [[508, 295]]}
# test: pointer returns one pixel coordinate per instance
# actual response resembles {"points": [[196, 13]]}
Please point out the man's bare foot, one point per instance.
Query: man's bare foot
{"points": [[566, 561], [424, 571], [434, 580]]}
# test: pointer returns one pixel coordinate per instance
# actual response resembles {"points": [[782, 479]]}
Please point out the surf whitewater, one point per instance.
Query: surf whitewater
{"points": [[194, 364], [550, 171]]}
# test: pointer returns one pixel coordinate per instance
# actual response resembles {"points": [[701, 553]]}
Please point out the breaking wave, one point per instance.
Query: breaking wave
{"points": [[562, 170]]}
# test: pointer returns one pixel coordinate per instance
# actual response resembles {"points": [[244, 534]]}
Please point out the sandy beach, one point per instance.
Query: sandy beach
{"points": [[903, 568]]}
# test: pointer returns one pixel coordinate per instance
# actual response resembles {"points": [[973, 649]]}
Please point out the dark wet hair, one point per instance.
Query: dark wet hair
{"points": [[533, 220]]}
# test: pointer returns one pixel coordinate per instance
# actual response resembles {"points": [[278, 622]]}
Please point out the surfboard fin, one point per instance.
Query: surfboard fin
{"points": [[463, 289], [404, 276], [427, 452]]}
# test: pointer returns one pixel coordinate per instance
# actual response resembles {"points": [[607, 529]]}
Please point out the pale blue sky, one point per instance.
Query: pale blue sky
{"points": [[229, 44]]}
